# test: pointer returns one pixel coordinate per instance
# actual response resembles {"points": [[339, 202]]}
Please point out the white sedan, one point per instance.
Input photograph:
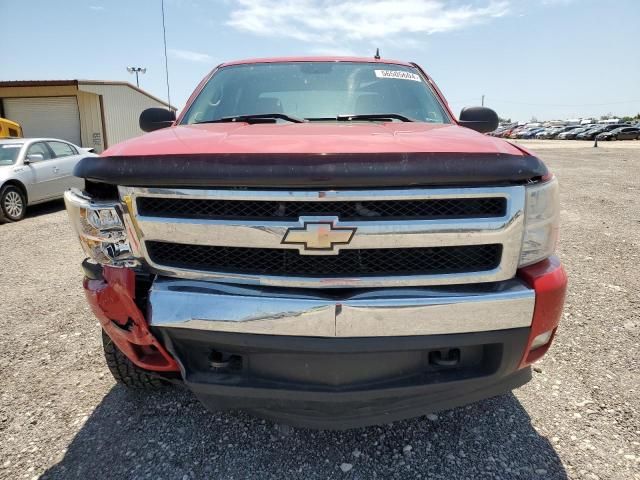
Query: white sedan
{"points": [[36, 170]]}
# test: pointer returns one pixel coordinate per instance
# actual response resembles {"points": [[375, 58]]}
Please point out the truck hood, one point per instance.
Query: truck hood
{"points": [[312, 138], [329, 155]]}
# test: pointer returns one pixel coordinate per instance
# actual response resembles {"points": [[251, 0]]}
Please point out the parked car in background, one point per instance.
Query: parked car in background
{"points": [[10, 129], [526, 132], [573, 133], [36, 170], [553, 132], [591, 134], [530, 133], [622, 133], [511, 133], [506, 133], [500, 130], [548, 133], [568, 129]]}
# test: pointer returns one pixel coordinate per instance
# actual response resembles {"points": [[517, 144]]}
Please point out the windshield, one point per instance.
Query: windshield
{"points": [[9, 153], [316, 91]]}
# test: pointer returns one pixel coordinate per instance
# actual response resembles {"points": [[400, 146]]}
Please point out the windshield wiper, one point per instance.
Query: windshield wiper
{"points": [[256, 118], [373, 116]]}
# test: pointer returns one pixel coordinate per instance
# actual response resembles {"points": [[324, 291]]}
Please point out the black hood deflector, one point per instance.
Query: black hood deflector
{"points": [[312, 170]]}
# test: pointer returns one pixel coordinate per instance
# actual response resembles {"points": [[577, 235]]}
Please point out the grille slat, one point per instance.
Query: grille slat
{"points": [[483, 207], [364, 262]]}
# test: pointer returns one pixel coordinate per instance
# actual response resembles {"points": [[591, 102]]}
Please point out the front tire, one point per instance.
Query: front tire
{"points": [[125, 371], [13, 203]]}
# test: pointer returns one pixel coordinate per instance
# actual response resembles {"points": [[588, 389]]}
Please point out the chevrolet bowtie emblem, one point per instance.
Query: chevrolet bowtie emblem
{"points": [[319, 237]]}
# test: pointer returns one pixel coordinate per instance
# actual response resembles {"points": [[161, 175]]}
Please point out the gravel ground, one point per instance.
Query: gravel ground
{"points": [[62, 416]]}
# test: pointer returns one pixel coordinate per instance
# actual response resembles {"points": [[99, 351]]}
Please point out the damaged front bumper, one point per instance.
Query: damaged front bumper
{"points": [[336, 359]]}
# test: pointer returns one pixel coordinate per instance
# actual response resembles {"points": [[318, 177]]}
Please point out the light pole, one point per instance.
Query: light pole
{"points": [[137, 70]]}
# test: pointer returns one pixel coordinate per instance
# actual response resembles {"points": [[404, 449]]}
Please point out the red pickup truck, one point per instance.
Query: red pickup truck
{"points": [[321, 242]]}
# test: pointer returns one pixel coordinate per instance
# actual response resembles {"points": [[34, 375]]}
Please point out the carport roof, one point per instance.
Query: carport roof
{"points": [[76, 83]]}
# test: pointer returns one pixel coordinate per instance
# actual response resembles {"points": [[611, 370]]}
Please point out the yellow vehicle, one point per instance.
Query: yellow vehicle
{"points": [[9, 128]]}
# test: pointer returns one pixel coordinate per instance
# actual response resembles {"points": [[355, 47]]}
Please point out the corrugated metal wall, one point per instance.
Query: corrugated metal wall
{"points": [[90, 120], [122, 108]]}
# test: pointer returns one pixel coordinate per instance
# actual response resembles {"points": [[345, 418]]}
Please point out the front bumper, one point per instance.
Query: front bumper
{"points": [[344, 383], [343, 358], [385, 312]]}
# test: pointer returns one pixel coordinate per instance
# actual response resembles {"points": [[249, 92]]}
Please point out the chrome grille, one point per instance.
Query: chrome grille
{"points": [[402, 237], [274, 261], [347, 210]]}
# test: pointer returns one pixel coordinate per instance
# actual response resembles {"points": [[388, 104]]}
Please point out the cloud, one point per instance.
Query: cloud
{"points": [[190, 55], [96, 8], [335, 21]]}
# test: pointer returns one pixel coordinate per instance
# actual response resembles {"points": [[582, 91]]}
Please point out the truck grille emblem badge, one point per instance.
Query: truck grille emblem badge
{"points": [[319, 237]]}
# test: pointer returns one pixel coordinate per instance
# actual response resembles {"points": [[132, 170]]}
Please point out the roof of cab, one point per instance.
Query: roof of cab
{"points": [[315, 59]]}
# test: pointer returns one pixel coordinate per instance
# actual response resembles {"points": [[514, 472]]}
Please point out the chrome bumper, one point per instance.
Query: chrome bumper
{"points": [[203, 305]]}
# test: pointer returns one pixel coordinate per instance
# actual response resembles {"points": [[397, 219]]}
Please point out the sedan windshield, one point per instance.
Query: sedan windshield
{"points": [[317, 91], [9, 153]]}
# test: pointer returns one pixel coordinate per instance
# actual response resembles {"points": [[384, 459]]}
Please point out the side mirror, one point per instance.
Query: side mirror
{"points": [[156, 118], [480, 119], [33, 157]]}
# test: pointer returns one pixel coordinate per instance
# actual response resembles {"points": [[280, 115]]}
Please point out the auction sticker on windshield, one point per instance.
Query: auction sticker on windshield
{"points": [[399, 74]]}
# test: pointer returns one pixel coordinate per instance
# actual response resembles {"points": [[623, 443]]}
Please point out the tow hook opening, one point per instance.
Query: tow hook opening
{"points": [[224, 362], [449, 357]]}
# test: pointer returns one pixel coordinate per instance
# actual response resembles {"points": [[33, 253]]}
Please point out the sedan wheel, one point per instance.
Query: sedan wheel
{"points": [[12, 203]]}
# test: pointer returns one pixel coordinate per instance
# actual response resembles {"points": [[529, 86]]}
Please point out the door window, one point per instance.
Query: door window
{"points": [[40, 148], [61, 149]]}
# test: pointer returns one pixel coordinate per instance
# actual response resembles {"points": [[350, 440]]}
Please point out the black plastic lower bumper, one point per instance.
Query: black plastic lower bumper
{"points": [[338, 383]]}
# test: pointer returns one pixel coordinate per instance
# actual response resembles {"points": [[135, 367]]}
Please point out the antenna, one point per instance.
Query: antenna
{"points": [[377, 55], [166, 62]]}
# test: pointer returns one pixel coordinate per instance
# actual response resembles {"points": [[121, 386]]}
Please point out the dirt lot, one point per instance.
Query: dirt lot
{"points": [[62, 416]]}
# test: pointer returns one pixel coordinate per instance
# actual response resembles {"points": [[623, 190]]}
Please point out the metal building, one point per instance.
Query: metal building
{"points": [[89, 113]]}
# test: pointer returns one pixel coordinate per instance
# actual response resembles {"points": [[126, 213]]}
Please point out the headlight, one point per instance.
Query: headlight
{"points": [[541, 222], [100, 227]]}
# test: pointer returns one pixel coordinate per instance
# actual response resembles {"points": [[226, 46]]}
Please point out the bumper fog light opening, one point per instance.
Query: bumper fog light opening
{"points": [[541, 340]]}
